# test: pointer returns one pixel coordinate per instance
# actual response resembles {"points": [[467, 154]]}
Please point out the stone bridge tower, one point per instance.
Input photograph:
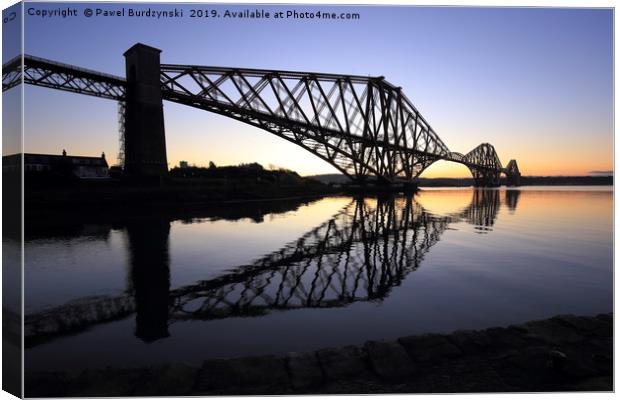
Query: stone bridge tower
{"points": [[145, 140]]}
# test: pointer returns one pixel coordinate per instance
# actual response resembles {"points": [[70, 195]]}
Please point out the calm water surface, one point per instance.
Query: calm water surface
{"points": [[269, 279]]}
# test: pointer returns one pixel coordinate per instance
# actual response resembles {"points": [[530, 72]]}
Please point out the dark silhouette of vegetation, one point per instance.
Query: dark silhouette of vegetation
{"points": [[252, 171], [181, 188]]}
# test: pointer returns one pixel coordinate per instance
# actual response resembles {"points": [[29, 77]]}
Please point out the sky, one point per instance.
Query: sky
{"points": [[534, 82]]}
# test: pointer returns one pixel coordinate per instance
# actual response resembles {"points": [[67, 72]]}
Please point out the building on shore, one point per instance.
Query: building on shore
{"points": [[82, 167]]}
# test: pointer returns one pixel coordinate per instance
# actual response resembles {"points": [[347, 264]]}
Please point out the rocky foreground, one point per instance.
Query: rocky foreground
{"points": [[564, 353]]}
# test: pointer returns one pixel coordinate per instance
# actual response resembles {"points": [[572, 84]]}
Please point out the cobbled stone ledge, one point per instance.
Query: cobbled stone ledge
{"points": [[563, 353]]}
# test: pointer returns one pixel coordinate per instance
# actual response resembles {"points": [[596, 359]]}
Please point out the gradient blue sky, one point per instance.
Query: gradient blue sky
{"points": [[535, 82]]}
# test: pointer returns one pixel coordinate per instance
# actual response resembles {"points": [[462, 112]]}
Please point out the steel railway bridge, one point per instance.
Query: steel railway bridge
{"points": [[364, 126]]}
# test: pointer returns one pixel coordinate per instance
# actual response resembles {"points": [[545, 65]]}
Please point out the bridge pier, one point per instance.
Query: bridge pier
{"points": [[383, 186], [145, 140], [513, 179], [486, 182], [485, 177]]}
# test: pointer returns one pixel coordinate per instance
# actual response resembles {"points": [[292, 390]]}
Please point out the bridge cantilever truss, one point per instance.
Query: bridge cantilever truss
{"points": [[363, 126]]}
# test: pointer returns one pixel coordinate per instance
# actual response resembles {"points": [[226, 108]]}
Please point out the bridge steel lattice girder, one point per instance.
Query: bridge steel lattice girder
{"points": [[41, 72], [484, 165], [279, 127], [363, 126], [367, 121], [513, 175]]}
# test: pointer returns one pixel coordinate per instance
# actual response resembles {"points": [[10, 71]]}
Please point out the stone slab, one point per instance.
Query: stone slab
{"points": [[470, 342], [343, 362], [586, 326], [168, 380], [389, 359], [506, 338], [430, 347], [242, 372], [107, 382], [304, 369], [551, 332]]}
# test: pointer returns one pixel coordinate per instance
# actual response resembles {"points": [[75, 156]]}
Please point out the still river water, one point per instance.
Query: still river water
{"points": [[287, 276]]}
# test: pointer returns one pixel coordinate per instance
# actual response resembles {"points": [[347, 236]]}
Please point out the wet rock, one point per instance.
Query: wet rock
{"points": [[430, 347], [598, 384], [48, 384], [575, 369], [529, 369], [586, 326], [606, 317], [558, 359], [470, 342], [304, 370], [584, 361], [543, 368], [389, 359], [107, 382], [550, 331], [506, 338], [603, 363], [266, 371], [167, 380], [534, 357], [362, 387], [602, 358], [603, 345], [343, 362], [465, 375]]}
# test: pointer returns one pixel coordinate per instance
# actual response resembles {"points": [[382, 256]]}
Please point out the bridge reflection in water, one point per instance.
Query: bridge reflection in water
{"points": [[359, 254]]}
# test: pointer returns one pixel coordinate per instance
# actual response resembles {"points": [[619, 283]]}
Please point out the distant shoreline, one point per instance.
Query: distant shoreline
{"points": [[464, 182]]}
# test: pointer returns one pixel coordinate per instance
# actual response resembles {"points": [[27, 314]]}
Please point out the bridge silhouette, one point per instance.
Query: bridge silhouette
{"points": [[364, 126], [359, 254]]}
